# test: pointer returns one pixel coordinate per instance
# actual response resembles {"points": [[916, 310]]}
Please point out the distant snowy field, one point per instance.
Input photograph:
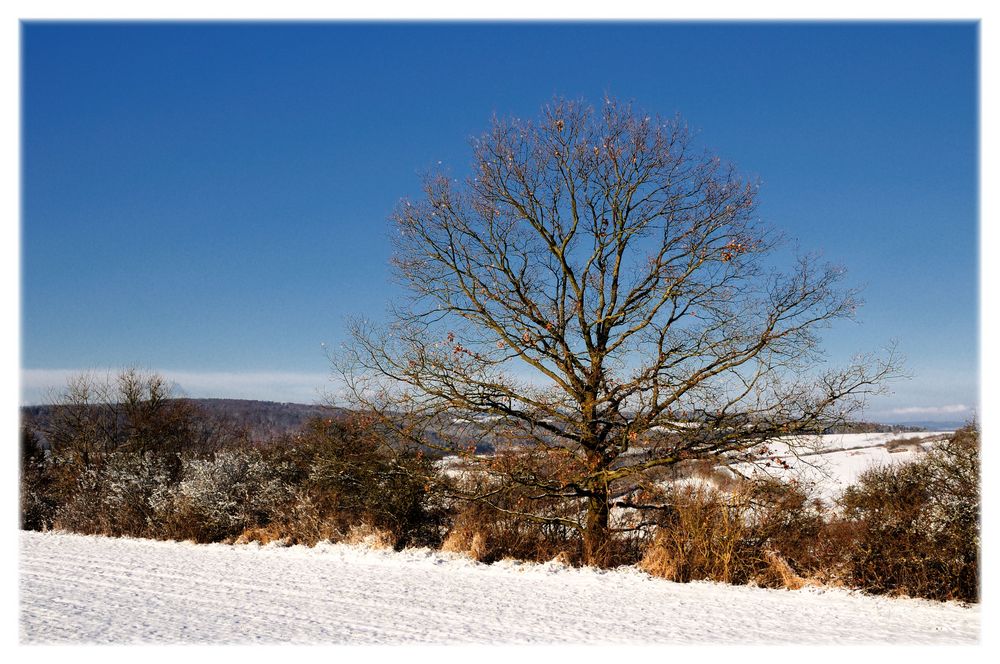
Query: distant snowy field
{"points": [[836, 461], [78, 589]]}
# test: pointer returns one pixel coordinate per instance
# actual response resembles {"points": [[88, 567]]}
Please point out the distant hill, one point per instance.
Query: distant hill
{"points": [[261, 419], [878, 427], [932, 425], [264, 420]]}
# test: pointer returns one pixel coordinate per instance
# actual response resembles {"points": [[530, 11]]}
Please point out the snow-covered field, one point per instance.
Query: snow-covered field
{"points": [[838, 460], [99, 590]]}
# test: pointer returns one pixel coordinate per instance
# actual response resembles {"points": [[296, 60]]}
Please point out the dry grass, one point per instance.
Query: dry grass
{"points": [[367, 535], [910, 444], [914, 443], [271, 533], [661, 561], [705, 538], [761, 533], [777, 573], [465, 540]]}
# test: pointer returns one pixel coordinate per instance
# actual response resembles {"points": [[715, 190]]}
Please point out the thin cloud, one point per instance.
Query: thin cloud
{"points": [[41, 385], [956, 409]]}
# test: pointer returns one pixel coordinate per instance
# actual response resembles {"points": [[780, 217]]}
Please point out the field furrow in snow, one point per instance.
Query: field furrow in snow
{"points": [[91, 589]]}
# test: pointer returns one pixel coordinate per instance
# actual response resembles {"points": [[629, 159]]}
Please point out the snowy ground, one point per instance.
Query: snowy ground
{"points": [[88, 589]]}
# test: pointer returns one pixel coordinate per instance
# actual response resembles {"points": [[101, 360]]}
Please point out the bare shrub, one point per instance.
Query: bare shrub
{"points": [[80, 511], [507, 519], [916, 526], [788, 522], [763, 532], [113, 456], [127, 459], [128, 494], [357, 474], [136, 493], [488, 532], [306, 523], [704, 536]]}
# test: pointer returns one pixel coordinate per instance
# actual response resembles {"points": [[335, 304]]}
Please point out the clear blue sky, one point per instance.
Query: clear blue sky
{"points": [[210, 200]]}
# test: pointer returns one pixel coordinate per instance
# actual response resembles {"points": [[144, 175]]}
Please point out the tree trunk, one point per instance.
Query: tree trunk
{"points": [[596, 536]]}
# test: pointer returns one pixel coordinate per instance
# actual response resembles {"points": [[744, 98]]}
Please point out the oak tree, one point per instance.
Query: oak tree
{"points": [[598, 298]]}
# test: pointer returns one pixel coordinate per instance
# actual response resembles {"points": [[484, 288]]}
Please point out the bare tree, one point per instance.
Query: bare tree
{"points": [[598, 296], [132, 410]]}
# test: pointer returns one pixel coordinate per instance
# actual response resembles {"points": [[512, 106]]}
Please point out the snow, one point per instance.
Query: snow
{"points": [[838, 460], [80, 589]]}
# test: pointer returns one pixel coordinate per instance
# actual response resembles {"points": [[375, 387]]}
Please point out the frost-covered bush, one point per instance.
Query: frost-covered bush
{"points": [[235, 489], [128, 495], [136, 493], [111, 455], [82, 509], [36, 500]]}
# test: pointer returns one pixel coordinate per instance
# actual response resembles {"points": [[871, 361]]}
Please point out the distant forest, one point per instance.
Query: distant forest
{"points": [[260, 420]]}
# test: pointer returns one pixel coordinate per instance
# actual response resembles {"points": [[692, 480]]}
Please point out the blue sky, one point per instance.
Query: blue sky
{"points": [[210, 200]]}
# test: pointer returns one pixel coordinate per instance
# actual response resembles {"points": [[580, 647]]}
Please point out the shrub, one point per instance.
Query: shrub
{"points": [[762, 532], [917, 525], [488, 532], [221, 496], [127, 495], [703, 536], [303, 522], [493, 518], [135, 494], [358, 475], [36, 500], [113, 455], [788, 522], [80, 509]]}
